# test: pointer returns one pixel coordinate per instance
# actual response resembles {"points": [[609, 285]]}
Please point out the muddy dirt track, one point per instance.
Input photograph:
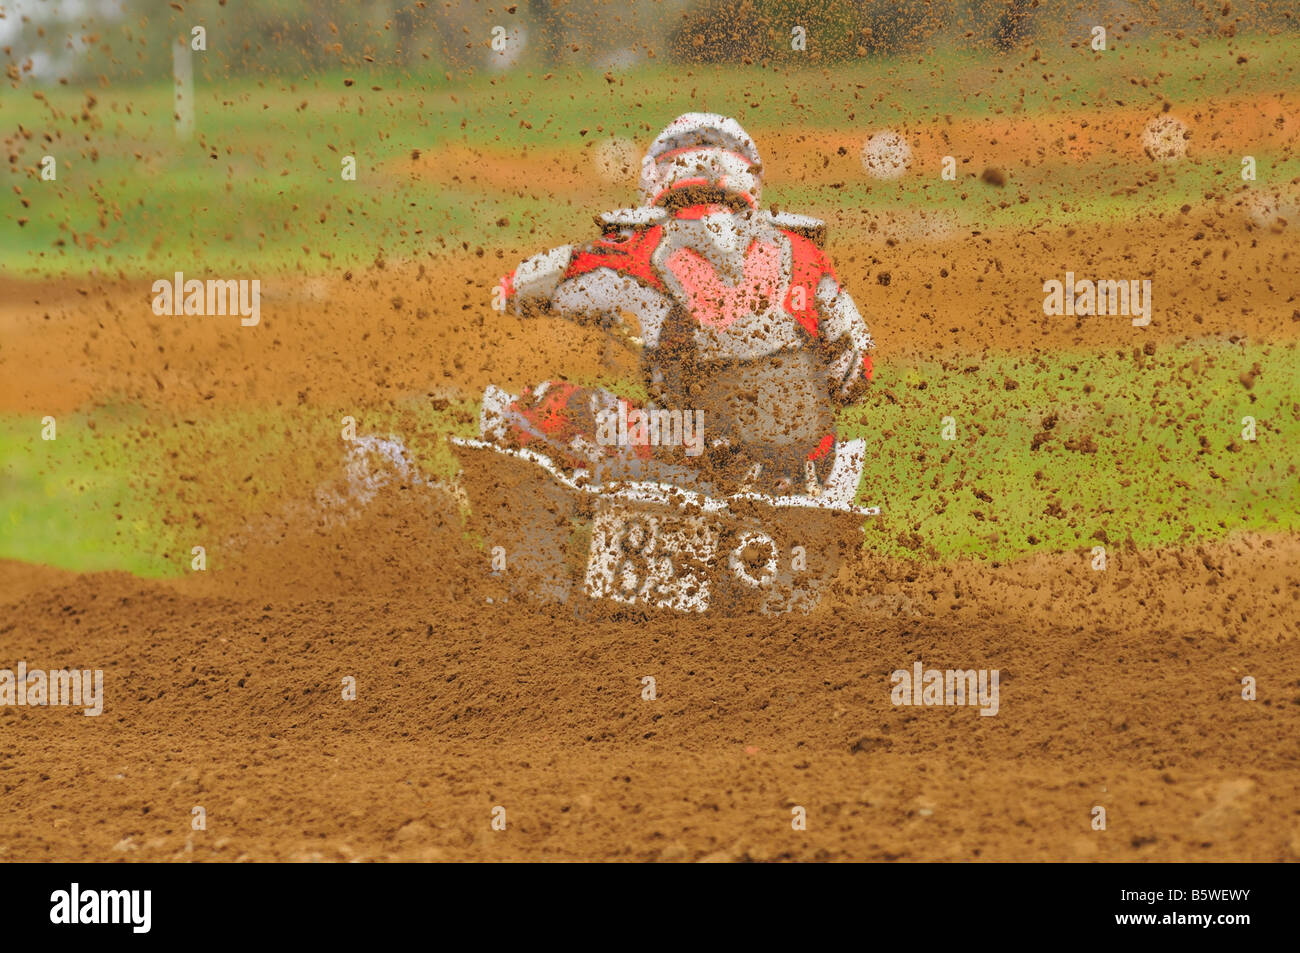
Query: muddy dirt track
{"points": [[1120, 690], [409, 328]]}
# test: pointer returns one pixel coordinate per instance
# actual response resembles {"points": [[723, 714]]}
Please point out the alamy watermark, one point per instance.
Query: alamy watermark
{"points": [[921, 686], [84, 689], [130, 907], [212, 297], [1086, 297], [626, 426]]}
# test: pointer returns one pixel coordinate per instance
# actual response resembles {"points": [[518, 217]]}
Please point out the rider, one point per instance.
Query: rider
{"points": [[736, 313]]}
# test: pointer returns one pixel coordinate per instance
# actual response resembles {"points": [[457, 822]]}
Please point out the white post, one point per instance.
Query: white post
{"points": [[183, 82]]}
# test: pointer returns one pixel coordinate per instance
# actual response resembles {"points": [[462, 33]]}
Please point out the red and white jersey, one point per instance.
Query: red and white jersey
{"points": [[738, 312]]}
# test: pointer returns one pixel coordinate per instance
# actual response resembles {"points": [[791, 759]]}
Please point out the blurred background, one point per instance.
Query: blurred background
{"points": [[457, 113], [121, 40]]}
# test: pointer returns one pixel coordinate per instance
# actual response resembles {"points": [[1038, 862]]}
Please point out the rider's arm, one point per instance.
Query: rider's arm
{"points": [[846, 339], [603, 296], [542, 285], [529, 288]]}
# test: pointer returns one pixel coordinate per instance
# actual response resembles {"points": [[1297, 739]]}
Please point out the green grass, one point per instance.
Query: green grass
{"points": [[970, 204], [70, 502], [1123, 462], [251, 190], [125, 490]]}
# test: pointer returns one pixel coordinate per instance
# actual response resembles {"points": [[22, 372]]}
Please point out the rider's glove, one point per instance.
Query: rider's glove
{"points": [[847, 342]]}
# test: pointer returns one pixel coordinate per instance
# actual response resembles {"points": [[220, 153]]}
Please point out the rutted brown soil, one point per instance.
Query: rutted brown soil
{"points": [[826, 157], [1120, 689], [403, 330]]}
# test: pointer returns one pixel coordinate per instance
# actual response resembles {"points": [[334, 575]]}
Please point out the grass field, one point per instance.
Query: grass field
{"points": [[91, 499], [260, 181]]}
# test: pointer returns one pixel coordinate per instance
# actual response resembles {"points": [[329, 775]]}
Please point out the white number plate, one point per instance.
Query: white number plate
{"points": [[659, 561]]}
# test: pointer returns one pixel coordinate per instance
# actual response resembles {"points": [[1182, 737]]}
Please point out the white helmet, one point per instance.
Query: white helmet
{"points": [[702, 149]]}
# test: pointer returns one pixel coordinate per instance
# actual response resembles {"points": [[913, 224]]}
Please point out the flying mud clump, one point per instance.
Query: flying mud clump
{"points": [[886, 155], [1165, 139]]}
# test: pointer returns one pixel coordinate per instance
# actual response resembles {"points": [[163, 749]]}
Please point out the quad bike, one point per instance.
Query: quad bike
{"points": [[666, 540]]}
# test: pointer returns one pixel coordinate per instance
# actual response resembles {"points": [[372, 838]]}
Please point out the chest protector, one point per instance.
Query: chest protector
{"points": [[740, 341]]}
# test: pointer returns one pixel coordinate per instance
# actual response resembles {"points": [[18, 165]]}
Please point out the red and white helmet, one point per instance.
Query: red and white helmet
{"points": [[702, 149]]}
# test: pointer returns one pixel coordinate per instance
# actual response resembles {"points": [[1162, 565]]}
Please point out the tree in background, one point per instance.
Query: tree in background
{"points": [[1014, 24], [130, 40]]}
